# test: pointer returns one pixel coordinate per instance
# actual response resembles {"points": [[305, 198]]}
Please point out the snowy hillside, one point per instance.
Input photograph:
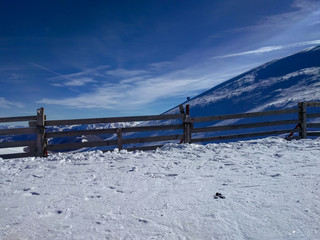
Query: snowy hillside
{"points": [[278, 84], [264, 189], [281, 83]]}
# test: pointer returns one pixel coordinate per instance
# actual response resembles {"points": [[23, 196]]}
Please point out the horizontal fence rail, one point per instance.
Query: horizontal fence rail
{"points": [[161, 128], [312, 104], [243, 115], [243, 126], [113, 131], [245, 135], [110, 120], [18, 119], [28, 145]]}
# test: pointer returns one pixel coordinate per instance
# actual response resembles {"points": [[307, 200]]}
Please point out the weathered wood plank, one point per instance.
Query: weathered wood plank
{"points": [[40, 142], [152, 139], [312, 104], [112, 120], [119, 138], [17, 144], [18, 119], [80, 133], [243, 126], [112, 131], [244, 115], [313, 125], [17, 155], [245, 135], [79, 145], [302, 117], [18, 131], [145, 148], [152, 128], [313, 115], [313, 134]]}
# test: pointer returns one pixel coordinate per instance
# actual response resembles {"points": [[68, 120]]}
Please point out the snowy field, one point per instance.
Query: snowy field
{"points": [[271, 190]]}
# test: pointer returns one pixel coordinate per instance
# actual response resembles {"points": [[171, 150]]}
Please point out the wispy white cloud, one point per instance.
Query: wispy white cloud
{"points": [[8, 104], [79, 82], [14, 76], [270, 49], [97, 71], [124, 73], [74, 79], [51, 71], [139, 91], [279, 22], [306, 5], [159, 65]]}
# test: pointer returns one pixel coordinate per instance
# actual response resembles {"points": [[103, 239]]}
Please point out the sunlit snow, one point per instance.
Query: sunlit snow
{"points": [[271, 190]]}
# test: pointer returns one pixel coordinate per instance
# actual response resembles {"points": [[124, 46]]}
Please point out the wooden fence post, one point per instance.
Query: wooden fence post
{"points": [[187, 126], [40, 142], [119, 138], [302, 119]]}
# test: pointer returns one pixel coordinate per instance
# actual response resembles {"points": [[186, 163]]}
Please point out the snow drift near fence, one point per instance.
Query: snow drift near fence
{"points": [[271, 190]]}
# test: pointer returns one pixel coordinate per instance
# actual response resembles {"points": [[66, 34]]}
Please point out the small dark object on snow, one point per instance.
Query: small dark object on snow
{"points": [[143, 221], [219, 195]]}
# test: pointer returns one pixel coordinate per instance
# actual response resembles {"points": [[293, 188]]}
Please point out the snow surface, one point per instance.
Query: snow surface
{"points": [[271, 189]]}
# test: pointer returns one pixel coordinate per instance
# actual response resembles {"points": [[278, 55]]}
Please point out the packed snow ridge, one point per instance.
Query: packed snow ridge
{"points": [[258, 189]]}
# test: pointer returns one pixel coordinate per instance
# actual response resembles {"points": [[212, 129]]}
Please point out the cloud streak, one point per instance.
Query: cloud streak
{"points": [[51, 71], [74, 79], [124, 73], [139, 91], [268, 49], [280, 22], [8, 104]]}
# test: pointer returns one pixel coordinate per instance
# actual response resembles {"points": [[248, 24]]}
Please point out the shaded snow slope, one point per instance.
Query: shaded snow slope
{"points": [[271, 190], [278, 84]]}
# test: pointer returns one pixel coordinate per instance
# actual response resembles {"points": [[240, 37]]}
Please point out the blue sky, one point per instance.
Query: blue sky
{"points": [[82, 59]]}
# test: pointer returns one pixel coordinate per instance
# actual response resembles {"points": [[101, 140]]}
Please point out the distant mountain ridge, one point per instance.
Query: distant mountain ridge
{"points": [[280, 83]]}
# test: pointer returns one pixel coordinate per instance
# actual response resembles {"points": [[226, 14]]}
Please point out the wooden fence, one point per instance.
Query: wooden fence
{"points": [[175, 127], [35, 146]]}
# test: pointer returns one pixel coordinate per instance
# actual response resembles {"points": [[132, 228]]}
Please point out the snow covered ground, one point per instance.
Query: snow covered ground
{"points": [[271, 190]]}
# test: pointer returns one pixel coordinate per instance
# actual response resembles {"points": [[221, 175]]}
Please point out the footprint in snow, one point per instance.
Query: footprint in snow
{"points": [[171, 175], [275, 175], [35, 193]]}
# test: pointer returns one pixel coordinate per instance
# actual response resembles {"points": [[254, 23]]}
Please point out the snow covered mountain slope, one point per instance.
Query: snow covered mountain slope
{"points": [[277, 84], [281, 83]]}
